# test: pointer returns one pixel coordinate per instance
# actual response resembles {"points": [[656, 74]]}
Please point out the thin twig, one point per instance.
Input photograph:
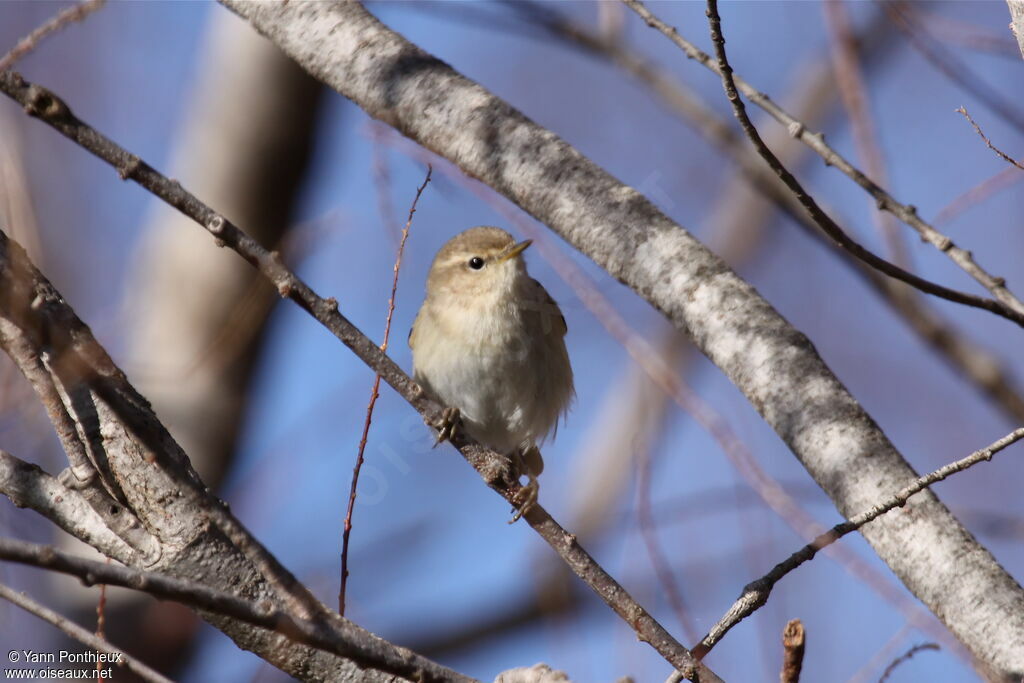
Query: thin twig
{"points": [[1013, 307], [977, 129], [117, 658], [756, 593], [826, 223], [905, 657], [342, 638], [375, 392], [493, 467], [66, 16], [792, 652]]}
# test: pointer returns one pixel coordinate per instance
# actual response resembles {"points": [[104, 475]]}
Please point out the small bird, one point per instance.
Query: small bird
{"points": [[489, 342]]}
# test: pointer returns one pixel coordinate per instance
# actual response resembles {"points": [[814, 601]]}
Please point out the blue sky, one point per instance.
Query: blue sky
{"points": [[431, 549]]}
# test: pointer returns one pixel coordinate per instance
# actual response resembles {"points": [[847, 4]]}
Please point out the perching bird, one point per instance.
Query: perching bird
{"points": [[489, 342]]}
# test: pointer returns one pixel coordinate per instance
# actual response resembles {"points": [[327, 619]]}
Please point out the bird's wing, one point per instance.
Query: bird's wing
{"points": [[550, 312]]}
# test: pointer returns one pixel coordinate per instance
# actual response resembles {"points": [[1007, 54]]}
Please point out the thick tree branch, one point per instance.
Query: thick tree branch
{"points": [[197, 538], [491, 466], [348, 641], [773, 364]]}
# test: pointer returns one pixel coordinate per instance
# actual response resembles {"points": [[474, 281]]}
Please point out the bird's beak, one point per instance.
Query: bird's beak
{"points": [[516, 250]]}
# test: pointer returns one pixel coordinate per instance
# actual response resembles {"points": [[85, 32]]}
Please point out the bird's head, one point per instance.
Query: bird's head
{"points": [[480, 261]]}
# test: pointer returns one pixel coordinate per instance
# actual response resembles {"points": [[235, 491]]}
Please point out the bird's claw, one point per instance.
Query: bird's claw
{"points": [[525, 498], [447, 425]]}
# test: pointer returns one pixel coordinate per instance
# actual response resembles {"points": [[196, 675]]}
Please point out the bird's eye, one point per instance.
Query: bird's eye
{"points": [[476, 263]]}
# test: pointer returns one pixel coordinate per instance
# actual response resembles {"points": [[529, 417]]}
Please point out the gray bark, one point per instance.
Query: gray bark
{"points": [[1017, 22], [774, 365], [148, 472]]}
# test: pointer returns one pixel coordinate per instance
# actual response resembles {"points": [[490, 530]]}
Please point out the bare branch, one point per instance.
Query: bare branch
{"points": [[756, 593], [197, 537], [28, 486], [118, 657], [816, 141], [491, 466], [63, 18], [830, 227], [342, 638], [977, 129], [769, 361]]}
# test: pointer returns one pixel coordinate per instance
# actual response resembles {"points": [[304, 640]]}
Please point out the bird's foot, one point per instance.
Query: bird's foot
{"points": [[525, 498], [447, 425]]}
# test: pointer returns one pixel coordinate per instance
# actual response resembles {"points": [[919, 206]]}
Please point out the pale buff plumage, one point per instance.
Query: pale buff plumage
{"points": [[489, 340]]}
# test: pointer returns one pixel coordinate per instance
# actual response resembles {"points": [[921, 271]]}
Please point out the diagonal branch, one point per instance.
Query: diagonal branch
{"points": [[756, 593], [491, 466]]}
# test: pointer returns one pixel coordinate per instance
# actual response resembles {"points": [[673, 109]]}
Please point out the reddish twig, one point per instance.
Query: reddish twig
{"points": [[977, 129], [374, 393], [62, 19]]}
